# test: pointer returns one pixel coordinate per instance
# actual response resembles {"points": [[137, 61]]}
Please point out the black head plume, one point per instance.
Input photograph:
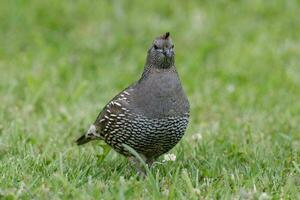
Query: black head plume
{"points": [[166, 35]]}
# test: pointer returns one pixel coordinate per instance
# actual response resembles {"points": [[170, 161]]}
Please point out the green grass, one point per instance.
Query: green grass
{"points": [[239, 61]]}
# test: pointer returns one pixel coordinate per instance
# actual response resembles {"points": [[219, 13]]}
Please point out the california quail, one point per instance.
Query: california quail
{"points": [[151, 115]]}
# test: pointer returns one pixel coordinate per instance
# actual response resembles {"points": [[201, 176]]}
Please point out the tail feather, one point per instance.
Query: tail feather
{"points": [[82, 140], [91, 134]]}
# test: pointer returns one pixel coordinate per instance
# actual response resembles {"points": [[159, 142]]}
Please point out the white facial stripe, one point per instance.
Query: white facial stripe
{"points": [[92, 129]]}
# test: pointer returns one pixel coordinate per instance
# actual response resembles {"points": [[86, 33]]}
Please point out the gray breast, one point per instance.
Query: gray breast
{"points": [[160, 95]]}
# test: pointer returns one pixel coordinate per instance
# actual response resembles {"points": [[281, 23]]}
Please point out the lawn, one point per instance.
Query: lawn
{"points": [[62, 61]]}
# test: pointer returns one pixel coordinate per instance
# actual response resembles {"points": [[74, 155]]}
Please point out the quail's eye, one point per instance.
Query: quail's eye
{"points": [[155, 46], [172, 46]]}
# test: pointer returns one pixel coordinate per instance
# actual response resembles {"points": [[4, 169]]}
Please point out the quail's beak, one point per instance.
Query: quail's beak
{"points": [[168, 53]]}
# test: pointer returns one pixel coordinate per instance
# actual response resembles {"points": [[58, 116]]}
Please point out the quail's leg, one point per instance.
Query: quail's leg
{"points": [[141, 171], [150, 161]]}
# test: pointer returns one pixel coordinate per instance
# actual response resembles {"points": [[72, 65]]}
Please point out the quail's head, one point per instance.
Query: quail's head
{"points": [[161, 53]]}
